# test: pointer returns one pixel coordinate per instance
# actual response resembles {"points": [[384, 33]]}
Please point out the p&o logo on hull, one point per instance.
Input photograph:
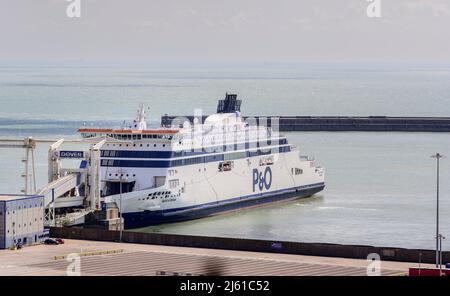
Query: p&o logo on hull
{"points": [[262, 180]]}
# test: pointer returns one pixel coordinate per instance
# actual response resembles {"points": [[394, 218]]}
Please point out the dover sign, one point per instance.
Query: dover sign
{"points": [[71, 154]]}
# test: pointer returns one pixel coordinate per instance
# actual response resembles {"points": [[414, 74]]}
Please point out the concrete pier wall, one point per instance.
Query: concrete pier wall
{"points": [[344, 123], [284, 247]]}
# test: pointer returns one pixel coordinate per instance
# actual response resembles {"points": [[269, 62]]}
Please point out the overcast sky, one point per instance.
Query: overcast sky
{"points": [[232, 30]]}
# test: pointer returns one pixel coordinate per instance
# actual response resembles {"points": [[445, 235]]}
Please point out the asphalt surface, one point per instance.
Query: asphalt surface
{"points": [[151, 260]]}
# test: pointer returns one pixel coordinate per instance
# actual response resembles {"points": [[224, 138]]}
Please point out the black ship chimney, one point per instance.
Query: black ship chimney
{"points": [[230, 104]]}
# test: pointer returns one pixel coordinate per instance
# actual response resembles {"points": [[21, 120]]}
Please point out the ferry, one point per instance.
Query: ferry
{"points": [[191, 170]]}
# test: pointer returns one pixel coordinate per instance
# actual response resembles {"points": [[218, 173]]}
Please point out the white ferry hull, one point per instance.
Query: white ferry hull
{"points": [[148, 218], [203, 191]]}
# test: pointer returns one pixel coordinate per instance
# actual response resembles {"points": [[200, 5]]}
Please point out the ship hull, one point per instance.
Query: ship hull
{"points": [[148, 218]]}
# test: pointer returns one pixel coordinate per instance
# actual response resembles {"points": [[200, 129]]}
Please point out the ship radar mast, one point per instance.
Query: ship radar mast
{"points": [[139, 123]]}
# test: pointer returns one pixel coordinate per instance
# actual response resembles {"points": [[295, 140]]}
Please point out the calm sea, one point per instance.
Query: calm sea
{"points": [[380, 186]]}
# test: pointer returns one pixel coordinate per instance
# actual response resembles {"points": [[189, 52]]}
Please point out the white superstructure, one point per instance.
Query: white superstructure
{"points": [[180, 173]]}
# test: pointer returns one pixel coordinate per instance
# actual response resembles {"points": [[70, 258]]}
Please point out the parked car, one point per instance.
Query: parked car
{"points": [[59, 241], [50, 241]]}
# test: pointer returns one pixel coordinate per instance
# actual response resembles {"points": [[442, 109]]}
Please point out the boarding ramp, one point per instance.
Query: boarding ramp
{"points": [[71, 219], [59, 188]]}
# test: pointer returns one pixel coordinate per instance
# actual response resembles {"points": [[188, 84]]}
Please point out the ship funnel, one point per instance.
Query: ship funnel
{"points": [[230, 104]]}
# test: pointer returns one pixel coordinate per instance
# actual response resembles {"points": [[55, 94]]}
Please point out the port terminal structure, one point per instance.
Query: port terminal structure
{"points": [[71, 193]]}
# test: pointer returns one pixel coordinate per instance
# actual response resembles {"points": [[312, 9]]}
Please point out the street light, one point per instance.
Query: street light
{"points": [[438, 157], [441, 237], [120, 206]]}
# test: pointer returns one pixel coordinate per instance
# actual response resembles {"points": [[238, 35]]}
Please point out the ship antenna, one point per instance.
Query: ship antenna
{"points": [[140, 122]]}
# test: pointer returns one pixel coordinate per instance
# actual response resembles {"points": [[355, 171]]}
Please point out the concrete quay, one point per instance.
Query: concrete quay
{"points": [[115, 259]]}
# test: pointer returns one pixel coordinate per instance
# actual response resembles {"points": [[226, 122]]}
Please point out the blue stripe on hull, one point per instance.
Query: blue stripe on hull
{"points": [[106, 153], [147, 218], [167, 163]]}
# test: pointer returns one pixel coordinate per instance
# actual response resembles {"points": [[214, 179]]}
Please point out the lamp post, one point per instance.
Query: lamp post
{"points": [[441, 237], [438, 157], [120, 207]]}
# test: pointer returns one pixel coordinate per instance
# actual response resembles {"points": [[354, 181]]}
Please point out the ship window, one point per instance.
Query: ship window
{"points": [[173, 183], [235, 155], [226, 166], [296, 171], [113, 188]]}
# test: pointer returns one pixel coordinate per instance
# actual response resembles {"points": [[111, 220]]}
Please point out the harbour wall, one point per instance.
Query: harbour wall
{"points": [[241, 244], [341, 123]]}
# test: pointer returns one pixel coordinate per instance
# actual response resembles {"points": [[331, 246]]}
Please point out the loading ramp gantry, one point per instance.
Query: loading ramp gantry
{"points": [[72, 188], [74, 192], [29, 144]]}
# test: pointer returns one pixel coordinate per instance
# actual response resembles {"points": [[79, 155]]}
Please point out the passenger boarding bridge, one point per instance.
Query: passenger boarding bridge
{"points": [[74, 192]]}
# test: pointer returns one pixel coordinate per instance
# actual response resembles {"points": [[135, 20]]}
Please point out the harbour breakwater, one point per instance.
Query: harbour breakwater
{"points": [[337, 123]]}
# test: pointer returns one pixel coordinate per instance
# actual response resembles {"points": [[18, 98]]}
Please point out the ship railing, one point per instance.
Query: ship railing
{"points": [[263, 132], [150, 187], [320, 170], [306, 158]]}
